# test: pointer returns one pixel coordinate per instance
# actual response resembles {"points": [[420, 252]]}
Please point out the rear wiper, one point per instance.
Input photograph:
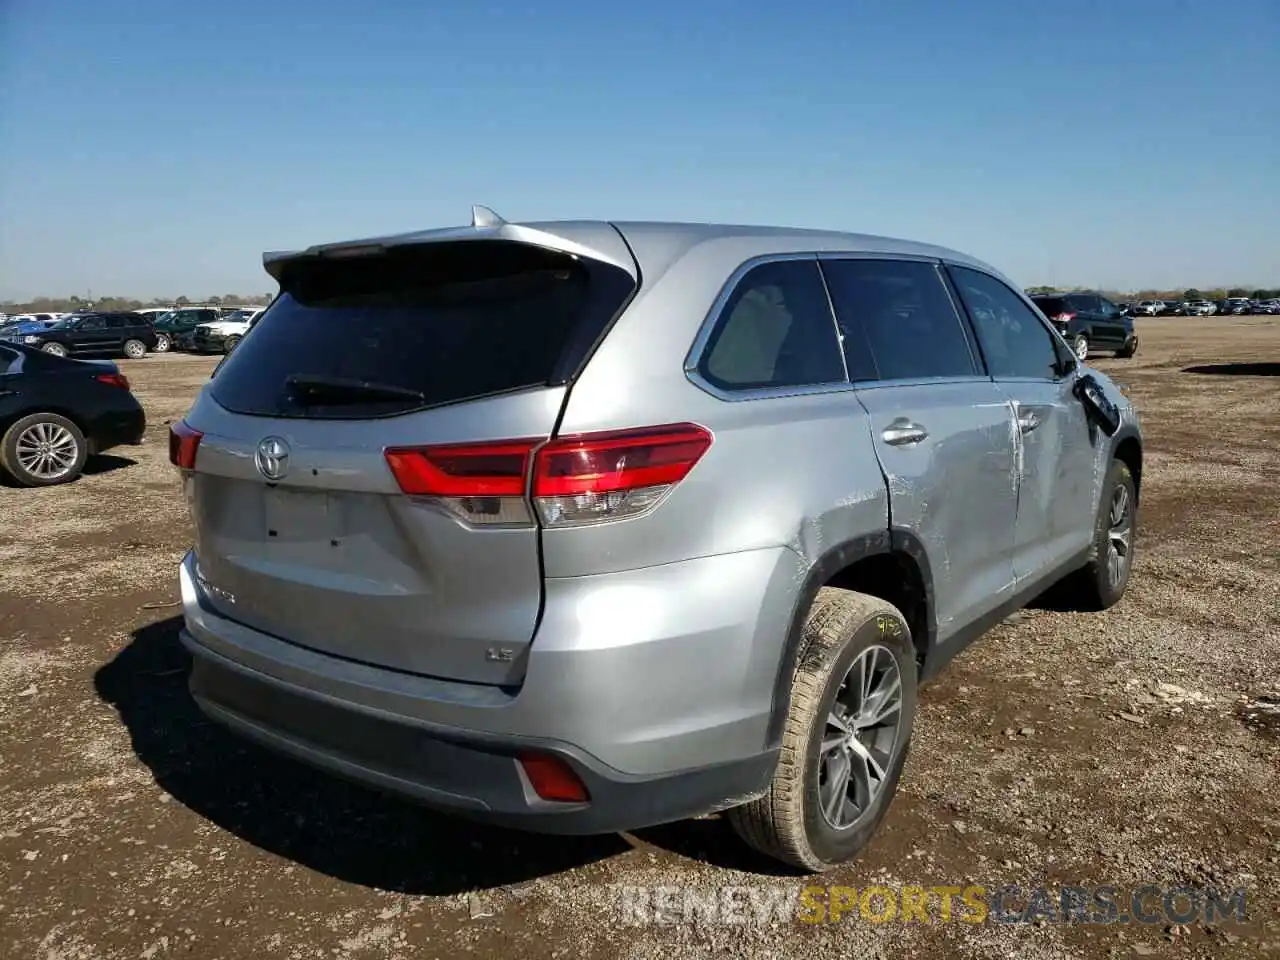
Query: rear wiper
{"points": [[339, 390]]}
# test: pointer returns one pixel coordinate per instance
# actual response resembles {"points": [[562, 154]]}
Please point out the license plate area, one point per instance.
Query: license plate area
{"points": [[298, 516]]}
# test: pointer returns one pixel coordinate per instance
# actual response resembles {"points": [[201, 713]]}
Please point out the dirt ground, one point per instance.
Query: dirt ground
{"points": [[1137, 746]]}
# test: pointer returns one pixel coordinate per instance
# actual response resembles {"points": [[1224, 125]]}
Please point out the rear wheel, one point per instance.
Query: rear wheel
{"points": [[230, 344], [848, 728], [42, 450], [57, 349], [135, 349], [1080, 345]]}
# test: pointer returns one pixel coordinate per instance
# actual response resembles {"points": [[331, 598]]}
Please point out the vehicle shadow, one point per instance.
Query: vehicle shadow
{"points": [[326, 824], [106, 463], [1235, 369]]}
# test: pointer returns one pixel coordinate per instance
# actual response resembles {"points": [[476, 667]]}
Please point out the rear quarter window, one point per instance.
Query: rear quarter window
{"points": [[775, 330]]}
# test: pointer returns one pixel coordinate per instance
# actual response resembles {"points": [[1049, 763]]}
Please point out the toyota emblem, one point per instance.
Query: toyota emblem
{"points": [[272, 458]]}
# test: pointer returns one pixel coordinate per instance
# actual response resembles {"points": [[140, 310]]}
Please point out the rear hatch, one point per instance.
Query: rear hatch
{"points": [[302, 528], [1056, 309]]}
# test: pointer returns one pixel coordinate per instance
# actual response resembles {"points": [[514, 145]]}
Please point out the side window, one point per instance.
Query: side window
{"points": [[92, 323], [897, 320], [1014, 340], [775, 331], [1108, 308], [117, 321]]}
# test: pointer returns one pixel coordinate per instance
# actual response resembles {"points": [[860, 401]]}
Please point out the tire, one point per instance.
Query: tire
{"points": [[843, 630], [1080, 347], [48, 428], [230, 344], [1128, 350], [57, 349], [1094, 587], [163, 343], [135, 349]]}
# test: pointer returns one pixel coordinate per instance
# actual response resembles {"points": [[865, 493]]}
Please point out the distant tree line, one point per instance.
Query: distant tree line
{"points": [[74, 304], [1217, 293]]}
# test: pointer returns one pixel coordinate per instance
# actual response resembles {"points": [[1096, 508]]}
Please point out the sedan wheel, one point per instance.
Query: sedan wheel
{"points": [[43, 449], [57, 349], [1081, 347]]}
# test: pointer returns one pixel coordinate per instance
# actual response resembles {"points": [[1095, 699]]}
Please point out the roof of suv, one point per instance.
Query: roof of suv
{"points": [[662, 242]]}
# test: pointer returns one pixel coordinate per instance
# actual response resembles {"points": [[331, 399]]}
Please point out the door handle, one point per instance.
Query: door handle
{"points": [[902, 432], [1028, 420]]}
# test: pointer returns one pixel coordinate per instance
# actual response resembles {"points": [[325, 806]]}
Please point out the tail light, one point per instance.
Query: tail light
{"points": [[480, 482], [1065, 317], [184, 441], [570, 480], [608, 476], [113, 380]]}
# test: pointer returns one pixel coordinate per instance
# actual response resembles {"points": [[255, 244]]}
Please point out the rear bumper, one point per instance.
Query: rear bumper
{"points": [[126, 426], [460, 772], [659, 727]]}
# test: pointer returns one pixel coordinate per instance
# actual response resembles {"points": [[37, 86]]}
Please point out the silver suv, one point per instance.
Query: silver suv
{"points": [[585, 526]]}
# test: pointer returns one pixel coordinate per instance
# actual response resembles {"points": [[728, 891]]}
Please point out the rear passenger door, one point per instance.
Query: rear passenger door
{"points": [[1056, 460], [118, 327], [943, 432]]}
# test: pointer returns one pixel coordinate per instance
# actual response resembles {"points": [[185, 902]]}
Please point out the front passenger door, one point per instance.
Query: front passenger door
{"points": [[89, 335], [1058, 457], [1110, 324]]}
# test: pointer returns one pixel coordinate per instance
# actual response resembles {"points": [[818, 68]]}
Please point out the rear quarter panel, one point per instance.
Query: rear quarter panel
{"points": [[797, 471]]}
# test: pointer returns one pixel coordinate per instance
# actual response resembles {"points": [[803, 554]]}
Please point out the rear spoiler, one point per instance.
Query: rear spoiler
{"points": [[593, 239]]}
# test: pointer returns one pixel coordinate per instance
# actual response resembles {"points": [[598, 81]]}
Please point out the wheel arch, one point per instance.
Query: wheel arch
{"points": [[890, 564], [1128, 450]]}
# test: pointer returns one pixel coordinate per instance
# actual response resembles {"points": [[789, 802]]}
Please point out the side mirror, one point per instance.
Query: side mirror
{"points": [[1097, 406]]}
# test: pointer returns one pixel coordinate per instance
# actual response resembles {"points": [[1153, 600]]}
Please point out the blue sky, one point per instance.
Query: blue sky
{"points": [[157, 148]]}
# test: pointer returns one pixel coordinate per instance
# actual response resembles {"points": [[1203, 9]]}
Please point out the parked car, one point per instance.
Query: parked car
{"points": [[1236, 306], [16, 329], [116, 334], [56, 412], [1199, 308], [1267, 307], [1089, 323], [1149, 308], [446, 545], [176, 328], [224, 334]]}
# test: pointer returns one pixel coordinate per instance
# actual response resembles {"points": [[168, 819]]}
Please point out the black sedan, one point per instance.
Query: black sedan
{"points": [[56, 412]]}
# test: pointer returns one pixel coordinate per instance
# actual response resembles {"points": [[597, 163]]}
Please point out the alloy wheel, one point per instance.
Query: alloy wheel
{"points": [[862, 735], [1119, 535], [47, 450]]}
